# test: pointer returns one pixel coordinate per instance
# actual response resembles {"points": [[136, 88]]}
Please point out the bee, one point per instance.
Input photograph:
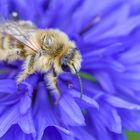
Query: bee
{"points": [[48, 51]]}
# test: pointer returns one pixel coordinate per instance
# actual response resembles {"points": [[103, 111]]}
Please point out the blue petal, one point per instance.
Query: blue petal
{"points": [[8, 99], [44, 114], [8, 118], [67, 137], [82, 134], [65, 13], [111, 118], [3, 9], [132, 122], [25, 104], [26, 124], [28, 87], [51, 134], [104, 64], [91, 102], [120, 103], [98, 127], [65, 131], [16, 133], [8, 86], [125, 89], [119, 136], [83, 11], [107, 50], [107, 22], [69, 106], [132, 54], [122, 29], [105, 81]]}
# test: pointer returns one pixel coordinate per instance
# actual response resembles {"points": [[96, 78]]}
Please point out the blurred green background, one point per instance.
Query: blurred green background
{"points": [[133, 136]]}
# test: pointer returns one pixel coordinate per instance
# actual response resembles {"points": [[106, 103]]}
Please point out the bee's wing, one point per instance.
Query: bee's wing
{"points": [[20, 33]]}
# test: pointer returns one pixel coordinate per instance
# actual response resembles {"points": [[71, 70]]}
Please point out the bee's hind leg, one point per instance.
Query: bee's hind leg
{"points": [[27, 69], [52, 85]]}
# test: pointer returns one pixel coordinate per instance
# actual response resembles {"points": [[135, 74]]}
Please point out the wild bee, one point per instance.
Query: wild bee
{"points": [[49, 51]]}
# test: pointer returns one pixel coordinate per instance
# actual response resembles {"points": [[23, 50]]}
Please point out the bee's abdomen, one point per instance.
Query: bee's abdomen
{"points": [[7, 42], [10, 48]]}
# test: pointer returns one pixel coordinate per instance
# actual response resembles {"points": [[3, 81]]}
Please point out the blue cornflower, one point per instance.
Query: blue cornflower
{"points": [[107, 35]]}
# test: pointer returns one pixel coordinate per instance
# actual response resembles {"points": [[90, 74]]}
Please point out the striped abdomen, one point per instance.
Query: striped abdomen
{"points": [[10, 49]]}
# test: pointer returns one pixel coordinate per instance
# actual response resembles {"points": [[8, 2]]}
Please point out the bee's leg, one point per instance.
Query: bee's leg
{"points": [[52, 85], [27, 69]]}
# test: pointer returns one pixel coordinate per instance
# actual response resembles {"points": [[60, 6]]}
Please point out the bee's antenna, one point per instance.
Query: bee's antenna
{"points": [[80, 82]]}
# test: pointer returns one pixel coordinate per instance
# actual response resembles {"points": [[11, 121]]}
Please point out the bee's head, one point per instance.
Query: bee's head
{"points": [[71, 61]]}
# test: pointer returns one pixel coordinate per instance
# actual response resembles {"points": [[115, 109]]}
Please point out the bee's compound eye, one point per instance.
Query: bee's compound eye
{"points": [[65, 68], [64, 62]]}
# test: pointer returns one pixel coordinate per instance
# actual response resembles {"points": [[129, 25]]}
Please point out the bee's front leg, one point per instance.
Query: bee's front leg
{"points": [[27, 69], [52, 85]]}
